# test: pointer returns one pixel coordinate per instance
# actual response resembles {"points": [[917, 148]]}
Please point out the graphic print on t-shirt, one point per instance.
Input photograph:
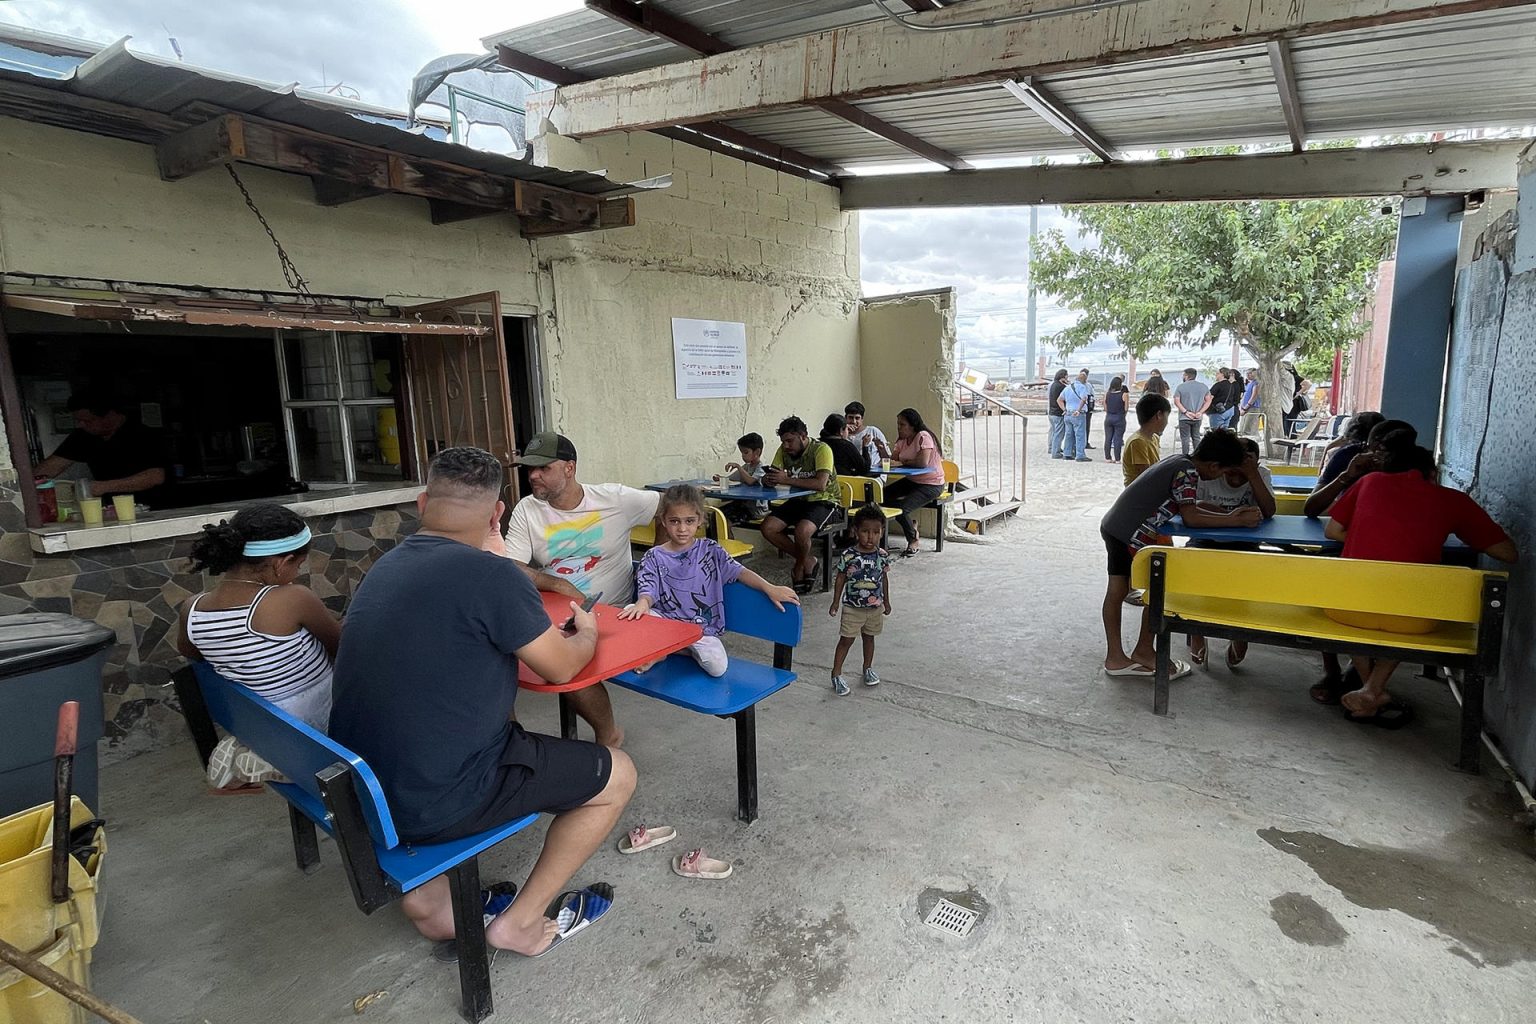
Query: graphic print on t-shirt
{"points": [[575, 548]]}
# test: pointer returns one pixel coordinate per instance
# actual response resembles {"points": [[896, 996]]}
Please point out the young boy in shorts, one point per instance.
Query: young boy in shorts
{"points": [[1169, 488], [748, 471], [863, 591]]}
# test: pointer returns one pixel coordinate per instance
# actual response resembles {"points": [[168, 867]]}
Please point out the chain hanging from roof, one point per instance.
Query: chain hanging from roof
{"points": [[291, 274]]}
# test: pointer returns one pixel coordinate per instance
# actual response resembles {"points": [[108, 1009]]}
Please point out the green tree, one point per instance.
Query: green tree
{"points": [[1287, 280]]}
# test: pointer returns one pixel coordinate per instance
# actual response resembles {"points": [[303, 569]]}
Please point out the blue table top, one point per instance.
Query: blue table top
{"points": [[734, 492], [1279, 530], [899, 471], [1284, 482], [742, 492]]}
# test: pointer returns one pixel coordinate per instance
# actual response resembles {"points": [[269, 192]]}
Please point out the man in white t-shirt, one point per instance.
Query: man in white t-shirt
{"points": [[866, 436], [577, 538]]}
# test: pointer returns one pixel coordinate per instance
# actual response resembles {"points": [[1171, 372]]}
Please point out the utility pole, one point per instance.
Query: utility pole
{"points": [[1029, 269]]}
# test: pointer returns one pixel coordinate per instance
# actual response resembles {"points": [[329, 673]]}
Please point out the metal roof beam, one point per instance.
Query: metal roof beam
{"points": [[653, 21], [704, 134], [1290, 100], [1445, 169], [878, 58], [1060, 116]]}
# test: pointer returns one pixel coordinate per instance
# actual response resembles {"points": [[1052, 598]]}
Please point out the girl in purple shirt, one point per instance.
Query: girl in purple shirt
{"points": [[683, 577]]}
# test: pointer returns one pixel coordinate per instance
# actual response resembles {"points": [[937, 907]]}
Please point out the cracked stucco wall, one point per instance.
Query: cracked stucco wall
{"points": [[907, 349], [1486, 442], [727, 240]]}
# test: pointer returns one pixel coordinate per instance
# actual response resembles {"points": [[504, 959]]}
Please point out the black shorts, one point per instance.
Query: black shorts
{"points": [[1120, 555], [797, 509], [538, 774]]}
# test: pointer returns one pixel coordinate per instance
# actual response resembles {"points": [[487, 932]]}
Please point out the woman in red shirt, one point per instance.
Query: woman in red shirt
{"points": [[1401, 515], [915, 445]]}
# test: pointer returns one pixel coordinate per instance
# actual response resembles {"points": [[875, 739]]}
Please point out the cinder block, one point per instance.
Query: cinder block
{"points": [[709, 247], [691, 158], [823, 194], [831, 219], [670, 239], [609, 148], [778, 256], [827, 241], [561, 153], [679, 187], [728, 168], [761, 227], [764, 179], [791, 186], [692, 215], [802, 211], [727, 221], [703, 188], [625, 169], [741, 197], [649, 146], [746, 252], [791, 234], [773, 205], [655, 208], [851, 264]]}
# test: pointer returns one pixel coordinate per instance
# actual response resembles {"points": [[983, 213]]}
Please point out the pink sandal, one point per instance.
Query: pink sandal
{"points": [[642, 838], [695, 865]]}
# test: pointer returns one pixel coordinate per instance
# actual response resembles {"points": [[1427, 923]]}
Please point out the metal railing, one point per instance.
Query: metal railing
{"points": [[989, 449]]}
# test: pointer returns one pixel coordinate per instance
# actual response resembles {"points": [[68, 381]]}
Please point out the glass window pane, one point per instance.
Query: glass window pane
{"points": [[375, 442], [370, 365], [309, 359], [317, 439]]}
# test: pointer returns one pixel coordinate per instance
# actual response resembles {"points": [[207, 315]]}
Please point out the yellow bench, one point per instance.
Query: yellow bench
{"points": [[719, 530], [864, 490], [1279, 600], [1290, 504]]}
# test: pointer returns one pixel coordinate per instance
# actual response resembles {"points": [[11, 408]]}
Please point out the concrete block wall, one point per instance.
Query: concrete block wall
{"points": [[728, 240]]}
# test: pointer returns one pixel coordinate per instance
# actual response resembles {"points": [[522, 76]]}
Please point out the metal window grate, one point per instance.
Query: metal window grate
{"points": [[951, 918]]}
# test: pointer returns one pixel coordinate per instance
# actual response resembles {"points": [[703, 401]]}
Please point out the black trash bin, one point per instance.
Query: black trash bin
{"points": [[47, 658]]}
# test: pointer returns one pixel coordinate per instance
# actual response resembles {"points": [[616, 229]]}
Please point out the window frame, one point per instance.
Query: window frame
{"points": [[341, 403]]}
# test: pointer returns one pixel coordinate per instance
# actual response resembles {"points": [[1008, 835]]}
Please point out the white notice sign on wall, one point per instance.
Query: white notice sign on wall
{"points": [[709, 358]]}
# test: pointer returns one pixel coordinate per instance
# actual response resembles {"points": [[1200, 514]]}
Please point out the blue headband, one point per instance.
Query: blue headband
{"points": [[280, 546]]}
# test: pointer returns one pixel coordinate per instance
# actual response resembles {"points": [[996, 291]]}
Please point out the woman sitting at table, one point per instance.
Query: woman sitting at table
{"points": [[259, 628], [917, 446], [1401, 515]]}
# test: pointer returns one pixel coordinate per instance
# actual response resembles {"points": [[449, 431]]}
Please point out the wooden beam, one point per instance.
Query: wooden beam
{"points": [[611, 213], [1058, 115], [330, 192], [444, 212], [750, 147], [1290, 100], [49, 106], [878, 58], [209, 144], [1443, 169], [655, 22], [578, 211]]}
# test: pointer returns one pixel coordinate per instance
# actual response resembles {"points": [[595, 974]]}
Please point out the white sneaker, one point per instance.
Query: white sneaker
{"points": [[870, 679], [840, 687]]}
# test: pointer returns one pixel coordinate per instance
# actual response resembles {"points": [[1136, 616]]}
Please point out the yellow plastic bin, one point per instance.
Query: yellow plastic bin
{"points": [[61, 935]]}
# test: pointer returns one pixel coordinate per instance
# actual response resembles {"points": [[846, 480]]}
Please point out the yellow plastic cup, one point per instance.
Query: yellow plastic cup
{"points": [[122, 504], [90, 511], [885, 465]]}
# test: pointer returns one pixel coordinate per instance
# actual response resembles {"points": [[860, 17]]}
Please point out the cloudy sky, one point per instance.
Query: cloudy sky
{"points": [[372, 48]]}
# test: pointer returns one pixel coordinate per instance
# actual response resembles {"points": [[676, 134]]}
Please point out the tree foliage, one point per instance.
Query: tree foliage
{"points": [[1285, 278]]}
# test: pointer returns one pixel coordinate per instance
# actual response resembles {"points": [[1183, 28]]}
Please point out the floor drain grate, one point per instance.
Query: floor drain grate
{"points": [[951, 918]]}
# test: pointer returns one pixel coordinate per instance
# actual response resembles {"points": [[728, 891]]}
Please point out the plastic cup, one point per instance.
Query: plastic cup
{"points": [[122, 504], [90, 511], [885, 465]]}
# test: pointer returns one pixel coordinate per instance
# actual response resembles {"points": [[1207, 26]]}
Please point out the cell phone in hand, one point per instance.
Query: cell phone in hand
{"points": [[586, 606]]}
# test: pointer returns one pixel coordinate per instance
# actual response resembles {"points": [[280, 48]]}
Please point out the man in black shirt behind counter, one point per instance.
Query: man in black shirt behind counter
{"points": [[124, 456]]}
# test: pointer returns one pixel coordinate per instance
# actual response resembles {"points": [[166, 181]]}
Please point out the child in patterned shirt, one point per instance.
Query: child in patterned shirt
{"points": [[683, 577], [864, 593]]}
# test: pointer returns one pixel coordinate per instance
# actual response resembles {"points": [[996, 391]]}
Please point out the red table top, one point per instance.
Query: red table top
{"points": [[621, 645]]}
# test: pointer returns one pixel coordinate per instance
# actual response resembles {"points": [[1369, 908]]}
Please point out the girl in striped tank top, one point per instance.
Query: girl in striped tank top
{"points": [[259, 628]]}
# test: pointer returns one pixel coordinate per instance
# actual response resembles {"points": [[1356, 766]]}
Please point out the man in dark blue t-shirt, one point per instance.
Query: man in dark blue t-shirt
{"points": [[425, 682]]}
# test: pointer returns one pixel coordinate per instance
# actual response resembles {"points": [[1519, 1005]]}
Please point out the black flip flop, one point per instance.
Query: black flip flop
{"points": [[1394, 714], [1335, 687]]}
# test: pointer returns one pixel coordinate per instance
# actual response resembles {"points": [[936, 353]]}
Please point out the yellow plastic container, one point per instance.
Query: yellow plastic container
{"points": [[61, 935], [388, 427]]}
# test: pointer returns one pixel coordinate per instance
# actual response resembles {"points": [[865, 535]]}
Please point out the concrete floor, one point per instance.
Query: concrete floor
{"points": [[1251, 857]]}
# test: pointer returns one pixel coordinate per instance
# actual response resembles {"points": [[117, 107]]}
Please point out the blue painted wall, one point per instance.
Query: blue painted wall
{"points": [[1419, 331], [1487, 445]]}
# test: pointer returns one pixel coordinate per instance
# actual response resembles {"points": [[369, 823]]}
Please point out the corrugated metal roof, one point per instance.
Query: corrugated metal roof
{"points": [[136, 80], [1464, 71]]}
